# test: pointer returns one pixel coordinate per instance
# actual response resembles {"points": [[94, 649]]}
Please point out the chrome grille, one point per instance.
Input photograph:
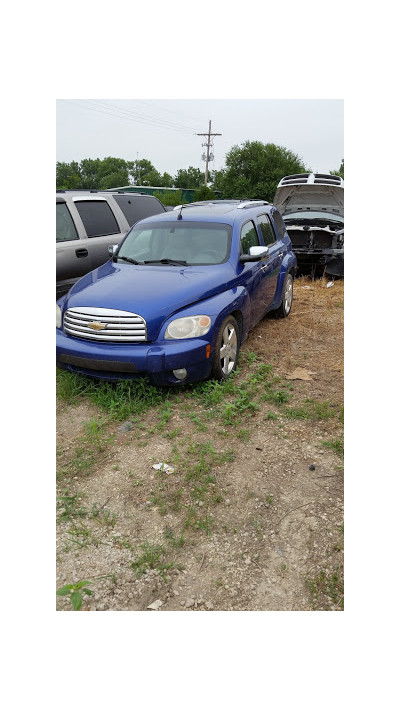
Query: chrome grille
{"points": [[119, 326]]}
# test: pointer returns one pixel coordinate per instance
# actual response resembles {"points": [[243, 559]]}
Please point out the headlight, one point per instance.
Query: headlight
{"points": [[188, 327], [58, 316]]}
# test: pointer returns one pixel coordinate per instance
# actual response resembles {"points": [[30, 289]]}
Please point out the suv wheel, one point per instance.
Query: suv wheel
{"points": [[287, 297]]}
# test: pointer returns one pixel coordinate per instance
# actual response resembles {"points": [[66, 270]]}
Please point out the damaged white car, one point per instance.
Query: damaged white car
{"points": [[312, 206]]}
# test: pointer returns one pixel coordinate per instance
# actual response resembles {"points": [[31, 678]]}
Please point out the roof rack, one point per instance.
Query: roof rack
{"points": [[80, 190], [252, 203], [240, 203]]}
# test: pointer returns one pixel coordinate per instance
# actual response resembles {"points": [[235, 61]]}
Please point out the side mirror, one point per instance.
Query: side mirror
{"points": [[256, 254], [112, 248]]}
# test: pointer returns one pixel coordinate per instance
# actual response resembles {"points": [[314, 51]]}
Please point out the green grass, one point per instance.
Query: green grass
{"points": [[229, 401], [172, 434], [232, 400], [198, 464], [211, 392], [312, 410], [200, 425], [96, 436], [153, 557], [164, 415], [196, 522], [69, 506], [173, 540], [102, 515], [81, 463], [326, 590], [244, 435], [82, 535], [93, 443], [120, 400], [337, 445]]}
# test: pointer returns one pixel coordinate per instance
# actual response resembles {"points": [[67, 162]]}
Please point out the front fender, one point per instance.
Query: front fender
{"points": [[218, 308]]}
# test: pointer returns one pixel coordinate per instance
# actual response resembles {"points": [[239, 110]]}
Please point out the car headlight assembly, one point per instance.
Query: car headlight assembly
{"points": [[58, 316], [188, 327]]}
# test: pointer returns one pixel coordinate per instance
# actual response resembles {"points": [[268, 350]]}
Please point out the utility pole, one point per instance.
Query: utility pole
{"points": [[208, 144], [138, 167]]}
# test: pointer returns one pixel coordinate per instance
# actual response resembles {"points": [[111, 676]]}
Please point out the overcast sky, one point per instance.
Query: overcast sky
{"points": [[164, 131]]}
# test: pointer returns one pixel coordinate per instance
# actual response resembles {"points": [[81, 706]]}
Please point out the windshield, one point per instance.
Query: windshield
{"points": [[177, 243]]}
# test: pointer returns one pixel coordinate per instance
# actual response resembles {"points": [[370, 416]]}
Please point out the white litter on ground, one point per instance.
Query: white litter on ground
{"points": [[164, 467]]}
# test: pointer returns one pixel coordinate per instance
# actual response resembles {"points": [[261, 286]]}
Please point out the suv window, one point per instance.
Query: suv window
{"points": [[267, 230], [97, 217], [65, 228], [248, 237], [279, 224], [136, 208]]}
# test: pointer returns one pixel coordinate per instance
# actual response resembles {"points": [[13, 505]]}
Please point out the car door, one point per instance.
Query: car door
{"points": [[101, 226], [73, 260], [275, 248], [256, 274]]}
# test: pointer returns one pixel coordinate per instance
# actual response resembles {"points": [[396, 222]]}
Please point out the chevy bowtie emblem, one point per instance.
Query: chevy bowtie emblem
{"points": [[97, 326]]}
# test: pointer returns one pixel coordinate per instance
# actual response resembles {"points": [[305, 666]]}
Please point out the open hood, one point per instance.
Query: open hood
{"points": [[313, 196]]}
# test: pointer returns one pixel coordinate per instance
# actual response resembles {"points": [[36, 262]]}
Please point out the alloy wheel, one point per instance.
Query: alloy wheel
{"points": [[228, 350]]}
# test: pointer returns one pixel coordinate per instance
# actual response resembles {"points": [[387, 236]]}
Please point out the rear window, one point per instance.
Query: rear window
{"points": [[65, 228], [136, 209], [266, 230], [279, 224], [97, 217]]}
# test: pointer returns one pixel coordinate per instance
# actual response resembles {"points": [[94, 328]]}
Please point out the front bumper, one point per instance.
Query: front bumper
{"points": [[156, 360]]}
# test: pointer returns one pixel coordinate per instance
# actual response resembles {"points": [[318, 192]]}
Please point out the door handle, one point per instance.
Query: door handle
{"points": [[81, 252], [280, 255]]}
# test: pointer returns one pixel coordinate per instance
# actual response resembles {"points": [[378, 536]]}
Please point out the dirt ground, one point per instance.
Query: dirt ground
{"points": [[252, 516]]}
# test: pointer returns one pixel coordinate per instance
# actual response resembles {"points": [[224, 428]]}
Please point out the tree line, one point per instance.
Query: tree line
{"points": [[252, 170]]}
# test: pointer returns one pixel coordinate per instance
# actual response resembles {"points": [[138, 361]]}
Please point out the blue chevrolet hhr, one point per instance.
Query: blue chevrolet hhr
{"points": [[179, 294]]}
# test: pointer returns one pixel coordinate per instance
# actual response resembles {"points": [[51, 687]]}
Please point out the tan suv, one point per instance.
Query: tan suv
{"points": [[88, 221]]}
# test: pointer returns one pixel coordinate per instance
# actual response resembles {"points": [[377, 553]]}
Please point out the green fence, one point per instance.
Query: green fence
{"points": [[188, 194]]}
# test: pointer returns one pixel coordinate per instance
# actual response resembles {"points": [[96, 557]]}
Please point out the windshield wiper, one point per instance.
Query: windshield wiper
{"points": [[165, 261], [128, 259]]}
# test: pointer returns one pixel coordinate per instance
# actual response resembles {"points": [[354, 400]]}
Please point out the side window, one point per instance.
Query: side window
{"points": [[97, 217], [279, 224], [248, 237], [137, 208], [65, 228], [267, 230]]}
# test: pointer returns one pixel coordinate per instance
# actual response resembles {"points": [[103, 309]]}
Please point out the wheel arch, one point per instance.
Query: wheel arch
{"points": [[237, 314]]}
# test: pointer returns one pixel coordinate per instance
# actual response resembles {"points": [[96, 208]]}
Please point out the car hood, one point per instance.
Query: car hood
{"points": [[293, 198], [153, 292]]}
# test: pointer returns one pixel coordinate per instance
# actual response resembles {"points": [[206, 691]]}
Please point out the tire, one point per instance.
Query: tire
{"points": [[226, 349], [287, 298]]}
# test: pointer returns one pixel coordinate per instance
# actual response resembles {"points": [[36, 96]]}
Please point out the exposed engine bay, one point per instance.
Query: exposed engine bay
{"points": [[316, 243], [317, 238]]}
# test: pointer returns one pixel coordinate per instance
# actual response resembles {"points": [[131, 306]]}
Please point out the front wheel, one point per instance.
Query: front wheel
{"points": [[226, 349], [287, 297]]}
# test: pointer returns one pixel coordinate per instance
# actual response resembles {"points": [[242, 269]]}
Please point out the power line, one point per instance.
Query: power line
{"points": [[114, 112], [161, 108], [130, 112]]}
